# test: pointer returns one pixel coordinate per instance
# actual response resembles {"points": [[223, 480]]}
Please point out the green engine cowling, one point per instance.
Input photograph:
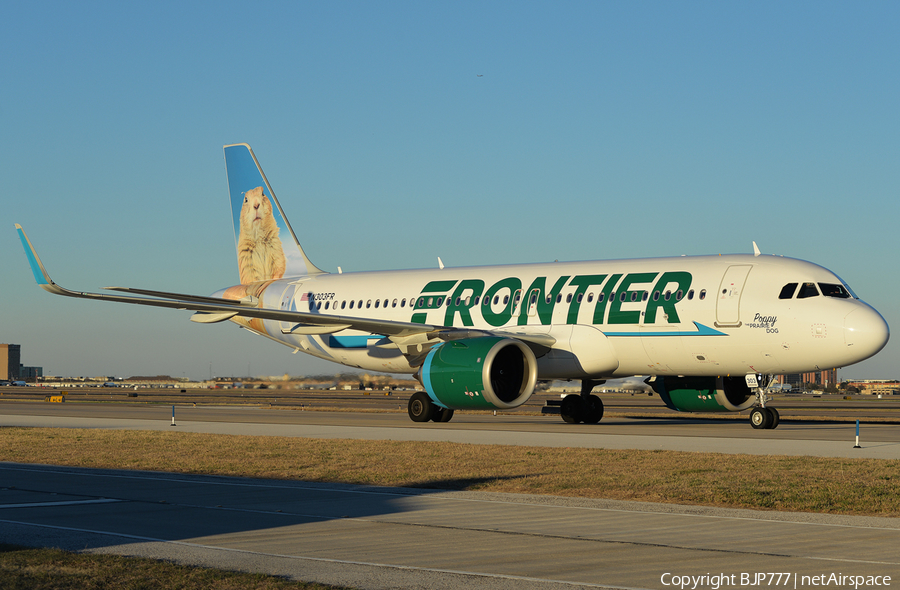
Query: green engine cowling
{"points": [[480, 373], [704, 394]]}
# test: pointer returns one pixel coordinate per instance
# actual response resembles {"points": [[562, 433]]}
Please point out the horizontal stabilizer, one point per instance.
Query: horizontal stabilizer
{"points": [[183, 297], [205, 317]]}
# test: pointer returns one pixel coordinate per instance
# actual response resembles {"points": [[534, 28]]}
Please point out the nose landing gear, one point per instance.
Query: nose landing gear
{"points": [[762, 417]]}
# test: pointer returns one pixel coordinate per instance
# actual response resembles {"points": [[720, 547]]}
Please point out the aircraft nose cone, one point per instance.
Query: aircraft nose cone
{"points": [[865, 332]]}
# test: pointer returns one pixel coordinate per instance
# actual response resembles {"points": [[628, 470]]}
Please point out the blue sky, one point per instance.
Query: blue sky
{"points": [[394, 133]]}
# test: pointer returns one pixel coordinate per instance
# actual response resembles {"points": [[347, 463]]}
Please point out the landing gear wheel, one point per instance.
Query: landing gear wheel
{"points": [[761, 418], [573, 409], [594, 407], [420, 407], [443, 415], [776, 419]]}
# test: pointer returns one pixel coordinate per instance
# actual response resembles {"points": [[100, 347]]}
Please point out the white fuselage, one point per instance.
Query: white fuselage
{"points": [[697, 315]]}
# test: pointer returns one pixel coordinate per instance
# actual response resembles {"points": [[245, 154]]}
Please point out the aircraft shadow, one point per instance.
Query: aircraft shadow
{"points": [[75, 508]]}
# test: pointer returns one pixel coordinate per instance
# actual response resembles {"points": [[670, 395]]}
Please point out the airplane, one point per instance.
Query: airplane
{"points": [[709, 332]]}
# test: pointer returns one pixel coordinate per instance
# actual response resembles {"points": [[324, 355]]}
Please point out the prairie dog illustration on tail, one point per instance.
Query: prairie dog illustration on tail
{"points": [[260, 256]]}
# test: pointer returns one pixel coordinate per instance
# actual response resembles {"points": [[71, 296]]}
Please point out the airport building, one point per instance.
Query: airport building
{"points": [[798, 380], [877, 387], [10, 361], [11, 367]]}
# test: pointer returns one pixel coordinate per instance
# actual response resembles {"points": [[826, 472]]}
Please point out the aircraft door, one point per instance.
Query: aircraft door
{"points": [[728, 303], [516, 303], [288, 303], [533, 302]]}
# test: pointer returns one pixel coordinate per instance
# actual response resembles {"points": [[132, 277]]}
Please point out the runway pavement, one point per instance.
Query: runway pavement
{"points": [[375, 538]]}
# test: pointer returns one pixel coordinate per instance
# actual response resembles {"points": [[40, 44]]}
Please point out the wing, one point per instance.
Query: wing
{"points": [[214, 309]]}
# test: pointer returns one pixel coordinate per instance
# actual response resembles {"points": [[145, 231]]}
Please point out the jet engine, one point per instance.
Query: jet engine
{"points": [[704, 394], [484, 373]]}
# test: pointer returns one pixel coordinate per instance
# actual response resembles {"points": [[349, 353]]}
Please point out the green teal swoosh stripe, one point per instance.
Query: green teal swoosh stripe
{"points": [[701, 331]]}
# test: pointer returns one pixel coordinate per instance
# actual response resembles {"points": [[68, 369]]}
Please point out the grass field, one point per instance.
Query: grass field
{"points": [[806, 484], [23, 568]]}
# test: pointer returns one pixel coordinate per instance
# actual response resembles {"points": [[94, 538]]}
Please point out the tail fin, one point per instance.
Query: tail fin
{"points": [[261, 231]]}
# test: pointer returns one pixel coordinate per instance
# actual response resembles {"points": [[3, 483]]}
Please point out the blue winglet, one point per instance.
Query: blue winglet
{"points": [[40, 275]]}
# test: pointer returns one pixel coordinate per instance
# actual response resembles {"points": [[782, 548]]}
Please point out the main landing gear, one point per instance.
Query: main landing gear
{"points": [[762, 417], [422, 409], [585, 407]]}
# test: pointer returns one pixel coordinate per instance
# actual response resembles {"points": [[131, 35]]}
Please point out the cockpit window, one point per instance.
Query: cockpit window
{"points": [[788, 291], [807, 290], [832, 290], [847, 287]]}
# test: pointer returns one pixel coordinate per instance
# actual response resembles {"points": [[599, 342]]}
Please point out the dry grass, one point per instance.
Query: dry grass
{"points": [[52, 569], [810, 484]]}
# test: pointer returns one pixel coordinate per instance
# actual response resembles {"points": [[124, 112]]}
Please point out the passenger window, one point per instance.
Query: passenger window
{"points": [[600, 298], [505, 299], [549, 299], [403, 302], [645, 296], [622, 296], [458, 300], [351, 304], [668, 295], [590, 297], [702, 294], [559, 298], [831, 290], [787, 292], [634, 296], [394, 304], [679, 295], [344, 304], [807, 290], [326, 304], [368, 304], [376, 303], [656, 296], [580, 295], [569, 298], [690, 294]]}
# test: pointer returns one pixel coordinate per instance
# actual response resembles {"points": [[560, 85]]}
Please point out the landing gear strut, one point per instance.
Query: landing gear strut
{"points": [[762, 417], [585, 408]]}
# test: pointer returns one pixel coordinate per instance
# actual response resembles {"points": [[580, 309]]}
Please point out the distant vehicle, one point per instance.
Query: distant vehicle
{"points": [[20, 384], [110, 384], [4, 384]]}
